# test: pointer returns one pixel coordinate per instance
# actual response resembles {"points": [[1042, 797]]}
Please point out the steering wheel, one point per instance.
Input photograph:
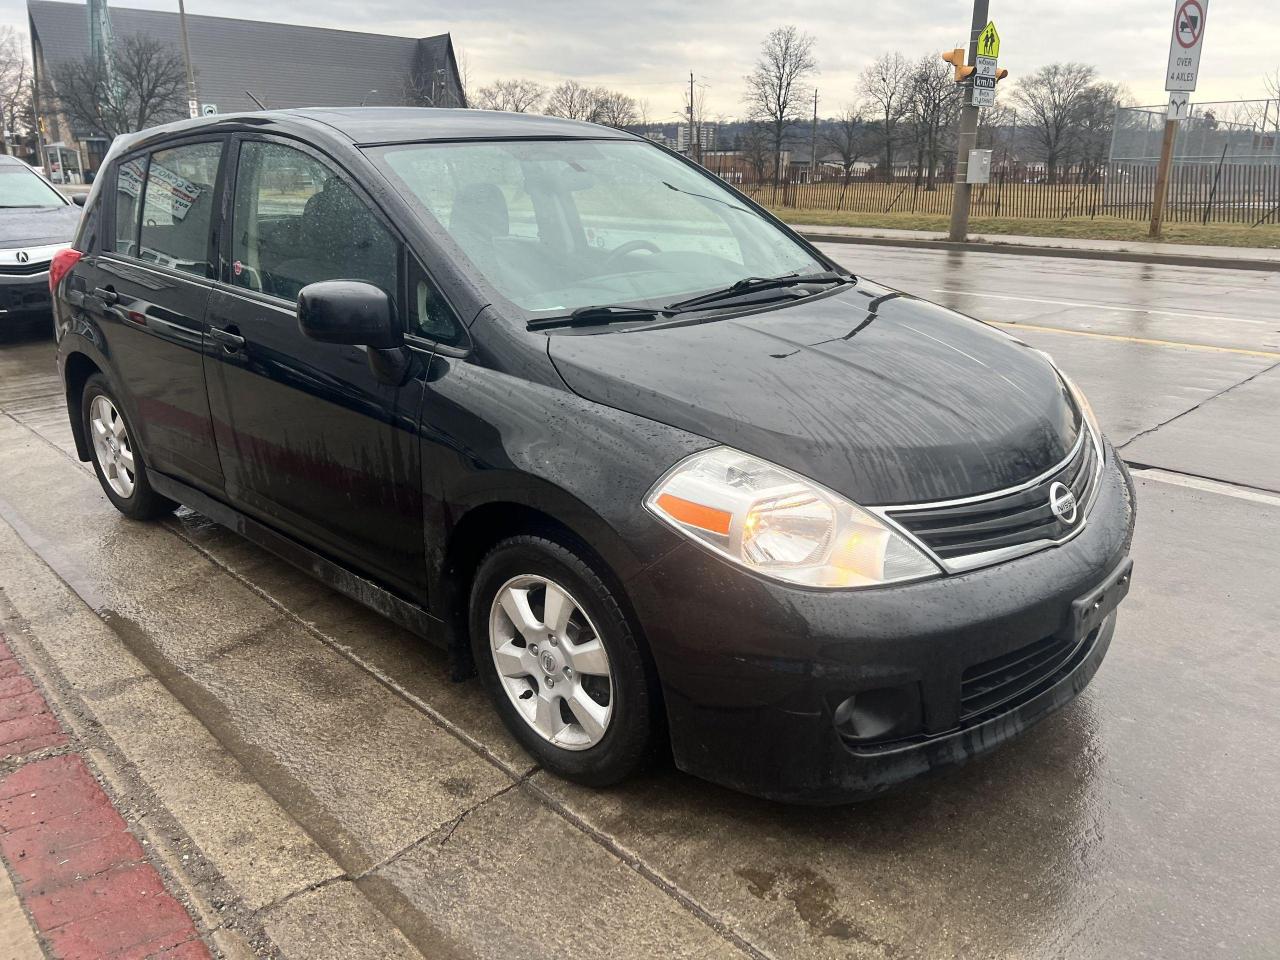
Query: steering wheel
{"points": [[631, 246]]}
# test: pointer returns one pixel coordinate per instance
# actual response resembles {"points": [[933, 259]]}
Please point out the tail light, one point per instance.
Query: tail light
{"points": [[61, 265]]}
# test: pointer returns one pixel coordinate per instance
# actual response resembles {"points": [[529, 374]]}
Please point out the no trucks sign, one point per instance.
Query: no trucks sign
{"points": [[1184, 48]]}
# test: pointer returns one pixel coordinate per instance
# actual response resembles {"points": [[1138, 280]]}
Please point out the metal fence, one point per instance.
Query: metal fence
{"points": [[1236, 131], [1198, 192]]}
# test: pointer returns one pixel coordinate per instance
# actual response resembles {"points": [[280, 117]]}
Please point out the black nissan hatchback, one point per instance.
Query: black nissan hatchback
{"points": [[653, 465]]}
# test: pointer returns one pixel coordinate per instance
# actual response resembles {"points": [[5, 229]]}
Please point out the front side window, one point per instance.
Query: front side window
{"points": [[557, 225], [20, 186], [296, 222], [177, 207]]}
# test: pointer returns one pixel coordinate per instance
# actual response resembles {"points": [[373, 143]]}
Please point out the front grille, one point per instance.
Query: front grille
{"points": [[23, 269], [1003, 682], [963, 531]]}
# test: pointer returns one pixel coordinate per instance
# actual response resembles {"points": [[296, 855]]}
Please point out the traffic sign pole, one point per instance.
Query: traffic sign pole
{"points": [[967, 137], [1180, 79]]}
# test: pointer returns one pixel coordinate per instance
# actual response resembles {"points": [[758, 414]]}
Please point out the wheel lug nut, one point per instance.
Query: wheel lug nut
{"points": [[554, 641], [568, 673], [550, 682], [533, 648]]}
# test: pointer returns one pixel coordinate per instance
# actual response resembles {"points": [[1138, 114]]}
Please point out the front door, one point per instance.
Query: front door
{"points": [[314, 439]]}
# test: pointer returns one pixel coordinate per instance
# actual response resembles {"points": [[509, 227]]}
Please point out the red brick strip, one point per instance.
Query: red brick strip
{"points": [[81, 874]]}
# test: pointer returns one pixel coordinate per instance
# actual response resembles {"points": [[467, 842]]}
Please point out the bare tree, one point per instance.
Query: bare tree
{"points": [[573, 101], [146, 85], [1095, 120], [757, 150], [616, 109], [846, 136], [463, 62], [887, 85], [514, 96], [431, 88], [998, 132], [1050, 100], [933, 104], [777, 90], [15, 84]]}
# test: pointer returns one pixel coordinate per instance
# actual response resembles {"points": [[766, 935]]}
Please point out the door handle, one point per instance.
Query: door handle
{"points": [[230, 340], [106, 295]]}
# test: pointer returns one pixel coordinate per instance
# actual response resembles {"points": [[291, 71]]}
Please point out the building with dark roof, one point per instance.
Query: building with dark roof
{"points": [[280, 64]]}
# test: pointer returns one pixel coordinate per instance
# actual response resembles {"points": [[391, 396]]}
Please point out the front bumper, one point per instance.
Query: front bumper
{"points": [[25, 297], [755, 673]]}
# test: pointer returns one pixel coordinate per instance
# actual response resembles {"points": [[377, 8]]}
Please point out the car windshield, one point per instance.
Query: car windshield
{"points": [[20, 187], [556, 225]]}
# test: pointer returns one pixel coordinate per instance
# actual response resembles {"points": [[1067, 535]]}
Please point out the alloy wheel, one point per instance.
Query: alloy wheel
{"points": [[551, 662], [111, 446]]}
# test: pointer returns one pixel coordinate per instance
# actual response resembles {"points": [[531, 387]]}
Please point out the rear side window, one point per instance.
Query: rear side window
{"points": [[296, 222], [177, 207], [129, 177]]}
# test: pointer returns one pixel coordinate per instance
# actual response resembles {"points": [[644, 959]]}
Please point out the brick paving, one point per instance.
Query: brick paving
{"points": [[81, 876]]}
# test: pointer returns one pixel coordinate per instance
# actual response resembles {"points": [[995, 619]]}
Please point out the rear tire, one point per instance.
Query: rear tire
{"points": [[116, 457], [574, 687]]}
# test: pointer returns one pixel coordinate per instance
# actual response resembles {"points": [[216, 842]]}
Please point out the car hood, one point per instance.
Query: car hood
{"points": [[36, 225], [880, 396]]}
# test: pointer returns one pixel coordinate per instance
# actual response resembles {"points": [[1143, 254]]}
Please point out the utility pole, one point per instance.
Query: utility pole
{"points": [[813, 154], [192, 104], [967, 138], [691, 149]]}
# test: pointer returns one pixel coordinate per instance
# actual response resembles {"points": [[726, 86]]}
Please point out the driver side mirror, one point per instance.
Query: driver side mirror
{"points": [[350, 312], [79, 199]]}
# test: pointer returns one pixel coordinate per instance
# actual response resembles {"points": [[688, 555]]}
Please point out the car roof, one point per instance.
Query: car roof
{"points": [[8, 160], [371, 125]]}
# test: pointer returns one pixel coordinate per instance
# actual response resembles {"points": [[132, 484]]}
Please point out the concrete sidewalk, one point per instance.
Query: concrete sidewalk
{"points": [[1238, 258]]}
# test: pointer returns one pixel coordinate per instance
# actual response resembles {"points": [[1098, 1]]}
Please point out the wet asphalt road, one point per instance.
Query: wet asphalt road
{"points": [[333, 788]]}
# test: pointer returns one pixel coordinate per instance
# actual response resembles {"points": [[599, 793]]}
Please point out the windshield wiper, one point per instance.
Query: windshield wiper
{"points": [[755, 284], [604, 313]]}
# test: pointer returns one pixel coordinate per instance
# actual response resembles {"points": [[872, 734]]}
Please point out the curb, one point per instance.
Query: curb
{"points": [[1122, 256]]}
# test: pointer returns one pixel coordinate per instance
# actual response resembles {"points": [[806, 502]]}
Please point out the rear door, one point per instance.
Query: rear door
{"points": [[147, 292], [314, 438]]}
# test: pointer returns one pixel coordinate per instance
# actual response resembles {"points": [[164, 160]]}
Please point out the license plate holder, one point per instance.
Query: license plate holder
{"points": [[1088, 611]]}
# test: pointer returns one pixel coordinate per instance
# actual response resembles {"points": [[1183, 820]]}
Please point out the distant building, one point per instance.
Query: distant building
{"points": [[736, 166], [660, 137], [280, 64], [706, 137]]}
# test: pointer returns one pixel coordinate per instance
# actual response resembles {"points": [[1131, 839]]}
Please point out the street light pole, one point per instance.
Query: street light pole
{"points": [[967, 138], [194, 108]]}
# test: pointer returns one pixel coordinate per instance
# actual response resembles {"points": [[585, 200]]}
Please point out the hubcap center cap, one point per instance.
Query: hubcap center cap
{"points": [[550, 662]]}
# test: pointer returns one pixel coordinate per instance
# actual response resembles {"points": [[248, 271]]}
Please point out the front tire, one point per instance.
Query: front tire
{"points": [[561, 662], [116, 458]]}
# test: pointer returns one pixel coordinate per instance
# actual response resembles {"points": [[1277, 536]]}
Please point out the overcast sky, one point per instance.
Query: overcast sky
{"points": [[648, 48]]}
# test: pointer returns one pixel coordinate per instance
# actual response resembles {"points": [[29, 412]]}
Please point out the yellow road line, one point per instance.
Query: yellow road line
{"points": [[1269, 354]]}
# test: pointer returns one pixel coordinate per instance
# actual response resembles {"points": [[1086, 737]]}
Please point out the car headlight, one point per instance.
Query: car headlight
{"points": [[1085, 408], [777, 523]]}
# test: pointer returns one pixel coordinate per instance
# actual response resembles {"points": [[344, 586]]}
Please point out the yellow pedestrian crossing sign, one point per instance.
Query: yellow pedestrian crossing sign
{"points": [[989, 41]]}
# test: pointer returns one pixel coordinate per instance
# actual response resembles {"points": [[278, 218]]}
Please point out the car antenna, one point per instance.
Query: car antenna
{"points": [[261, 105]]}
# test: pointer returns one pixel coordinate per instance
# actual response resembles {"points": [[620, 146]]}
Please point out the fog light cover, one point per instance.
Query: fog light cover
{"points": [[772, 521]]}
